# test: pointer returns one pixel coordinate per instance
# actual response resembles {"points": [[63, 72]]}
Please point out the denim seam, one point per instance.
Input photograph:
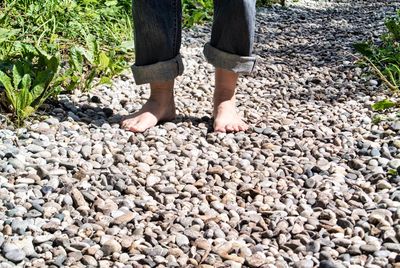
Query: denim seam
{"points": [[160, 71], [175, 25], [229, 61]]}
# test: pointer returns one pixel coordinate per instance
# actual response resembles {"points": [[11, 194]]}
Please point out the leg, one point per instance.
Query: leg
{"points": [[157, 44], [230, 51]]}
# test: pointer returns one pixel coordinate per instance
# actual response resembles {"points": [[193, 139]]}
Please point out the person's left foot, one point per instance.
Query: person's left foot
{"points": [[226, 118]]}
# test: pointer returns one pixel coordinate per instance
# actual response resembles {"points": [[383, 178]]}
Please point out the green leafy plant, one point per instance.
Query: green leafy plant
{"points": [[393, 172], [29, 82], [270, 2], [200, 11], [384, 105], [384, 59], [90, 42], [89, 63], [196, 11]]}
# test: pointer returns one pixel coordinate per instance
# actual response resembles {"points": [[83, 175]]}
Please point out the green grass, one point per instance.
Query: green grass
{"points": [[88, 41], [59, 24], [200, 11], [384, 59]]}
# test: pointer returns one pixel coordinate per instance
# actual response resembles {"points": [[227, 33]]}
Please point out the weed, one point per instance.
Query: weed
{"points": [[200, 11], [29, 81], [384, 59], [53, 46]]}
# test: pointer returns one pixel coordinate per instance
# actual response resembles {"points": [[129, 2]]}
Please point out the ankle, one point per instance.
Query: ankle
{"points": [[223, 97], [225, 86], [162, 97], [162, 92]]}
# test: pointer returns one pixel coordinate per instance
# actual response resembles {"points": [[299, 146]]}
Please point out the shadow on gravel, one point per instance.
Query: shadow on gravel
{"points": [[97, 116], [314, 38], [312, 49]]}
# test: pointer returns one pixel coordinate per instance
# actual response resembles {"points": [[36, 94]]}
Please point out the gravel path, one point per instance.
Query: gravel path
{"points": [[308, 186]]}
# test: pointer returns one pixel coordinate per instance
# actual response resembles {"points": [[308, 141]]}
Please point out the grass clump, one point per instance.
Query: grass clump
{"points": [[62, 45], [200, 11], [384, 59]]}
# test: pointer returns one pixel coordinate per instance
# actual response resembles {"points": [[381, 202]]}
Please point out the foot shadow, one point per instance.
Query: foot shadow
{"points": [[91, 113]]}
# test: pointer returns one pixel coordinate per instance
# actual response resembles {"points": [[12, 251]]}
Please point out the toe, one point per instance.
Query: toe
{"points": [[230, 128], [128, 124], [124, 125], [139, 127], [243, 127], [219, 128], [237, 128]]}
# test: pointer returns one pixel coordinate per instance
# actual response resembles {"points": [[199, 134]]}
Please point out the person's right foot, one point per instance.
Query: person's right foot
{"points": [[159, 107]]}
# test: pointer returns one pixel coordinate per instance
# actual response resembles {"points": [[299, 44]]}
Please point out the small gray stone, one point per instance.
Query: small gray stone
{"points": [[375, 152], [373, 163], [382, 254], [181, 240], [152, 180], [356, 164], [39, 239], [17, 164], [310, 182], [33, 148], [86, 151], [19, 226], [327, 264], [68, 200], [157, 251], [373, 82], [396, 125], [110, 247], [314, 246], [368, 248], [395, 247], [256, 260], [89, 261], [305, 264], [395, 163], [15, 255]]}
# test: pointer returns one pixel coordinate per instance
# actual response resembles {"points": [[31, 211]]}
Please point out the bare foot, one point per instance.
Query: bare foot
{"points": [[159, 107], [226, 118]]}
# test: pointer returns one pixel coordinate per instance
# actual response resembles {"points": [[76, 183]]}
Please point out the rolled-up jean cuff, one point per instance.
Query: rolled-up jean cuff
{"points": [[157, 72], [228, 61]]}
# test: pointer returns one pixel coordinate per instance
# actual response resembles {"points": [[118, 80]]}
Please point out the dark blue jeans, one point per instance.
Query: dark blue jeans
{"points": [[158, 38]]}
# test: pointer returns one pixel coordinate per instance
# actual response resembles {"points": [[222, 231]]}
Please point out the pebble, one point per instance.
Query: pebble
{"points": [[395, 163], [15, 255], [78, 198], [395, 247], [89, 261], [367, 248], [111, 246], [181, 240], [33, 148], [124, 219], [256, 260], [17, 164]]}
